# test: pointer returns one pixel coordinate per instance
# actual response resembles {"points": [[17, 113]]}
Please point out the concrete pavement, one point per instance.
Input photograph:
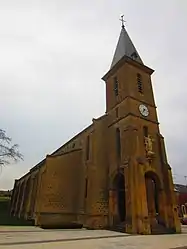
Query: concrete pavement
{"points": [[36, 238]]}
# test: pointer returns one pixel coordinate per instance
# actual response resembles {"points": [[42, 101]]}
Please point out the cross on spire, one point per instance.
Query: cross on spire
{"points": [[122, 21]]}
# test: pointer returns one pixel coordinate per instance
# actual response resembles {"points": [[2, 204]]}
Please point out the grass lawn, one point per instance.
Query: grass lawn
{"points": [[4, 198], [6, 219]]}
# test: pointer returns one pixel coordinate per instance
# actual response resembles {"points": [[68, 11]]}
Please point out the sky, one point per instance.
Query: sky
{"points": [[53, 54]]}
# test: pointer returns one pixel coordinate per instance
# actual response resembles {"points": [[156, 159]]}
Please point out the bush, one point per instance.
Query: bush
{"points": [[6, 219]]}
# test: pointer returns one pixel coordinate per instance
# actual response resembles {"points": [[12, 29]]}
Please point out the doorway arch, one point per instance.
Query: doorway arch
{"points": [[119, 187]]}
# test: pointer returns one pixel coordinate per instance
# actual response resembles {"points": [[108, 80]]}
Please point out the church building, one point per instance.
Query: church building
{"points": [[114, 174]]}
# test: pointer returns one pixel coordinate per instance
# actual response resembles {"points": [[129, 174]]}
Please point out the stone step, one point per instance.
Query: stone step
{"points": [[119, 228], [160, 229], [155, 229]]}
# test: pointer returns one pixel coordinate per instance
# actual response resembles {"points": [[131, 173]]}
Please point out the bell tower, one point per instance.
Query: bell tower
{"points": [[138, 165]]}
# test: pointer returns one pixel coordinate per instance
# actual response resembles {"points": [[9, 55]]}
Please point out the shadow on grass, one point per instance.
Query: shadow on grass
{"points": [[6, 219]]}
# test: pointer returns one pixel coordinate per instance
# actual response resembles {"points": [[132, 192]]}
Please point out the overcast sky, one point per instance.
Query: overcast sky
{"points": [[53, 54]]}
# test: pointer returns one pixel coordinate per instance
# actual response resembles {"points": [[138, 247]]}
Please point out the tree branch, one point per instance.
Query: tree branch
{"points": [[8, 152]]}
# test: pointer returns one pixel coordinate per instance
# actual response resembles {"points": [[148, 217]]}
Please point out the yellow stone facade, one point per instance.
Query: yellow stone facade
{"points": [[112, 175]]}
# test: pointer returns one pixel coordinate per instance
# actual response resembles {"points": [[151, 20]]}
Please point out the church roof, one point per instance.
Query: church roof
{"points": [[125, 47]]}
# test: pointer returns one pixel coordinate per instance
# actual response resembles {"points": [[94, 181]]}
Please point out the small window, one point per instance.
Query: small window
{"points": [[88, 148], [145, 131], [118, 142], [139, 82], [117, 112], [116, 86], [86, 188]]}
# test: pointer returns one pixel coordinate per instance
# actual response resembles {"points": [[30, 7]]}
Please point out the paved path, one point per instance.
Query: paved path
{"points": [[36, 238]]}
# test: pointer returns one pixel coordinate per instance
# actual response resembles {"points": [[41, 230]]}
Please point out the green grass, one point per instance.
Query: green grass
{"points": [[6, 219], [4, 198]]}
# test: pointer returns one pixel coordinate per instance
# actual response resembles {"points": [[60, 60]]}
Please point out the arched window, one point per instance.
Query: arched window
{"points": [[118, 142]]}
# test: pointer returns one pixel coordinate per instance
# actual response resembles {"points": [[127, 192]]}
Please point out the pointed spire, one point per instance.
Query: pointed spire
{"points": [[125, 47]]}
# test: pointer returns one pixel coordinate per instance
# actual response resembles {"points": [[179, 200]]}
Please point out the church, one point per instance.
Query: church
{"points": [[114, 174]]}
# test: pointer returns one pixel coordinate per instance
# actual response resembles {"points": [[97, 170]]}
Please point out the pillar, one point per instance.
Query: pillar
{"points": [[176, 221], [14, 198], [144, 225], [17, 201], [33, 196], [25, 198], [128, 200], [129, 133], [113, 208], [22, 198]]}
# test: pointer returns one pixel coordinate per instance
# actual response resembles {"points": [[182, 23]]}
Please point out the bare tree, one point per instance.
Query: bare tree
{"points": [[8, 152]]}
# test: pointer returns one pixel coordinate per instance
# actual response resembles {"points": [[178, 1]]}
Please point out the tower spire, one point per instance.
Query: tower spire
{"points": [[125, 47]]}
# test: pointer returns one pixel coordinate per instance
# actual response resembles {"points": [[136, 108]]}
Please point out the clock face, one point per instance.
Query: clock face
{"points": [[143, 110]]}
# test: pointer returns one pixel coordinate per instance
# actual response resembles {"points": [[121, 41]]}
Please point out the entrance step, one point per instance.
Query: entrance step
{"points": [[120, 227], [155, 229], [160, 229]]}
